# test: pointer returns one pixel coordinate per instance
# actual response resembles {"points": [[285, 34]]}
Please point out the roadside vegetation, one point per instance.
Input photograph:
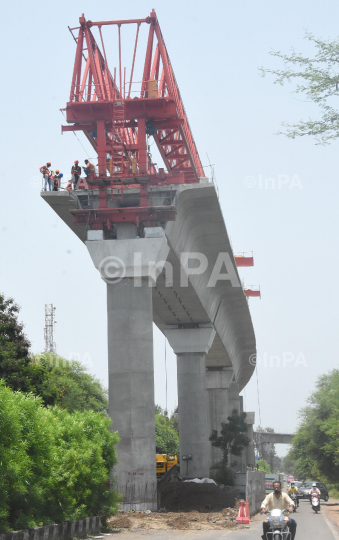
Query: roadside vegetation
{"points": [[315, 448], [56, 447], [166, 432], [263, 466], [231, 440]]}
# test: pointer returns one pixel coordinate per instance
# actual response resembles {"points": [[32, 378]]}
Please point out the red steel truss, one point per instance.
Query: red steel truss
{"points": [[117, 120]]}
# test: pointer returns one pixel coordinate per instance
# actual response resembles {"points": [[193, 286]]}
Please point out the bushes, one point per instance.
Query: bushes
{"points": [[55, 465], [166, 434], [67, 384], [223, 474], [263, 466]]}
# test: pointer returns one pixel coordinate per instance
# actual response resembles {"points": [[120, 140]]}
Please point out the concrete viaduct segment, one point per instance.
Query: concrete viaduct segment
{"points": [[274, 438], [182, 276]]}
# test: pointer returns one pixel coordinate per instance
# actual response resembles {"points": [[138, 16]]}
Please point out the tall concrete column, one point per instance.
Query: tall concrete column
{"points": [[191, 346], [126, 266], [235, 402], [217, 384], [233, 398], [250, 454]]}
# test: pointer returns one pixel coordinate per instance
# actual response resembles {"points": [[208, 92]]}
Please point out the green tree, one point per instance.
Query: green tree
{"points": [[166, 434], [319, 82], [288, 465], [55, 466], [67, 384], [263, 465], [315, 447], [16, 366], [56, 380], [232, 438]]}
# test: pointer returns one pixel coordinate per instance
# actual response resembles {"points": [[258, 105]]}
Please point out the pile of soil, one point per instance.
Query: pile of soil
{"points": [[121, 522], [194, 521], [189, 496]]}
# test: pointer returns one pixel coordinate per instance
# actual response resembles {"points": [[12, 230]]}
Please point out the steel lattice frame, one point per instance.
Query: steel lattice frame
{"points": [[117, 125]]}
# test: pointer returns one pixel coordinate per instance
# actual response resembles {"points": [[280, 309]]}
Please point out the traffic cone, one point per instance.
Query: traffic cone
{"points": [[241, 517], [247, 510]]}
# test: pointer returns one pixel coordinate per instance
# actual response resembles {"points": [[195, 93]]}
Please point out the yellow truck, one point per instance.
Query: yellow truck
{"points": [[164, 463]]}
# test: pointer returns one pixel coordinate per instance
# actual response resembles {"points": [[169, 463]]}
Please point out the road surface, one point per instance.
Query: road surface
{"points": [[309, 526]]}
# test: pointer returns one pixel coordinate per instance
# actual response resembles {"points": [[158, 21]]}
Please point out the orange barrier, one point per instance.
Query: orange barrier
{"points": [[242, 517], [247, 510]]}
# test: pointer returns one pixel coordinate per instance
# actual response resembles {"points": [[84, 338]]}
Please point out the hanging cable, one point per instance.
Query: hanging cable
{"points": [[167, 419], [256, 372], [75, 135]]}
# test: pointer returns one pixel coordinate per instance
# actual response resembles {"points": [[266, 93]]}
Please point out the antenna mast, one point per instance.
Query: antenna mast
{"points": [[50, 345]]}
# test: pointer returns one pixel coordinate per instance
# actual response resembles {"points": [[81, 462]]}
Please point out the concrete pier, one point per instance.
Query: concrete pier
{"points": [[211, 296], [250, 454], [191, 346], [217, 385], [130, 361]]}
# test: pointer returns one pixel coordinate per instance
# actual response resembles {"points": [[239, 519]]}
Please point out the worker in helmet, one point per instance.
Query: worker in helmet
{"points": [[44, 169], [57, 180], [69, 185], [75, 171], [89, 168]]}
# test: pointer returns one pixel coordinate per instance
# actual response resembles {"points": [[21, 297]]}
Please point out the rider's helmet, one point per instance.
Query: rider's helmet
{"points": [[314, 485], [292, 483]]}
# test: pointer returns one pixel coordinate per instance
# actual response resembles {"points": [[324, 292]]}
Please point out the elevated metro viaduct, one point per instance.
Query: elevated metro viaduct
{"points": [[163, 226], [209, 329]]}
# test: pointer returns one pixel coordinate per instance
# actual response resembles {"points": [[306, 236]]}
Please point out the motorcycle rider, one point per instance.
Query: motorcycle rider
{"points": [[314, 491], [294, 489], [281, 501]]}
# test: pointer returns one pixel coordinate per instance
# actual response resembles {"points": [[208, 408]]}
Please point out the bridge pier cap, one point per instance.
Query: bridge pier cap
{"points": [[130, 257], [127, 266], [190, 340]]}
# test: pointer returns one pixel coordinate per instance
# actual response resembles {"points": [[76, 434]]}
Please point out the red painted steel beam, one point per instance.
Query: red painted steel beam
{"points": [[243, 261], [252, 293]]}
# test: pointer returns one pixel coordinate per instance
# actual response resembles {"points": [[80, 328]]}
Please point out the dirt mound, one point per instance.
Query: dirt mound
{"points": [[179, 522], [189, 496], [120, 522]]}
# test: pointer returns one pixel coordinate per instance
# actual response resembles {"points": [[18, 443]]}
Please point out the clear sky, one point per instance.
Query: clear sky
{"points": [[216, 48]]}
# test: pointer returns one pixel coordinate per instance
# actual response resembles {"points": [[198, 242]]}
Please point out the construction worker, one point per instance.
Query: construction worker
{"points": [[75, 171], [89, 168], [44, 169], [57, 180]]}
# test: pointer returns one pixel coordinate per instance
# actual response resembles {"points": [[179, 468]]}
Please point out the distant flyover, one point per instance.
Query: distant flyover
{"points": [[275, 438]]}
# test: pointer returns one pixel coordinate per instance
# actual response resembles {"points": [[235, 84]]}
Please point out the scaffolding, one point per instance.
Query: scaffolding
{"points": [[50, 345]]}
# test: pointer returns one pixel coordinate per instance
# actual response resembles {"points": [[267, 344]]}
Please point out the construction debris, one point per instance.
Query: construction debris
{"points": [[135, 521]]}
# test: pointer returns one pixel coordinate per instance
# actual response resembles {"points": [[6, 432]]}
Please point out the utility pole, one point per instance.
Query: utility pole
{"points": [[50, 345]]}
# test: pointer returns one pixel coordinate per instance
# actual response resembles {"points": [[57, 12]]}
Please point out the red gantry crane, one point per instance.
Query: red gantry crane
{"points": [[118, 114]]}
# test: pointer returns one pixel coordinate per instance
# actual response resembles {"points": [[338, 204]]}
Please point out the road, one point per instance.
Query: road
{"points": [[309, 525]]}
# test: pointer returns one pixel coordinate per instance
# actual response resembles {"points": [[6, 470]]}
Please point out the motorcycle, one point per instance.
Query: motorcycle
{"points": [[294, 498], [315, 503], [278, 523]]}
